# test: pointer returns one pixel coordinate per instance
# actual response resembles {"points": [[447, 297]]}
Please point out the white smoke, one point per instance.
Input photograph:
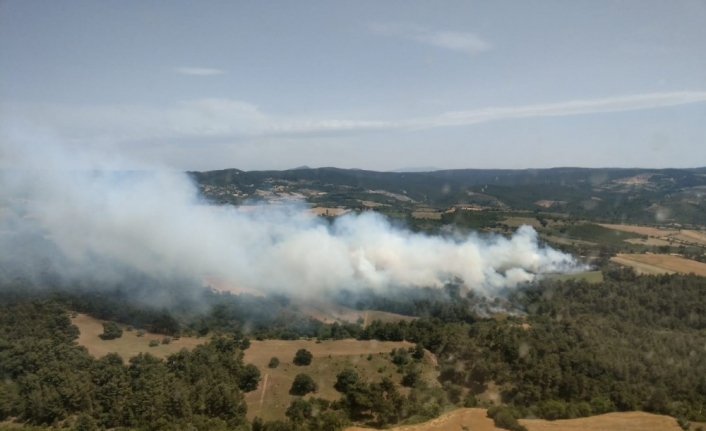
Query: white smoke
{"points": [[154, 221]]}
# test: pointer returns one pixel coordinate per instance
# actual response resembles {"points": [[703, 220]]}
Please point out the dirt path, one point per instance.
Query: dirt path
{"points": [[262, 396]]}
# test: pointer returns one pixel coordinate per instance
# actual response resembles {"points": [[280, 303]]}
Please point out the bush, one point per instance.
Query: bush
{"points": [[111, 331], [274, 362], [154, 343], [303, 357], [303, 384], [140, 333], [506, 418], [166, 340]]}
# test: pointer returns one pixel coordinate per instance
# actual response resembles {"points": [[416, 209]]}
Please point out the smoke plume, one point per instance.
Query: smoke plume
{"points": [[154, 221]]}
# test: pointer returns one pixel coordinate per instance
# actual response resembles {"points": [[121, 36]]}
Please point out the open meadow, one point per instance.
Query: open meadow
{"points": [[474, 419], [129, 344], [271, 399]]}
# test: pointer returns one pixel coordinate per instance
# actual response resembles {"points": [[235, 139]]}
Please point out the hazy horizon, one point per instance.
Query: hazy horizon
{"points": [[368, 85]]}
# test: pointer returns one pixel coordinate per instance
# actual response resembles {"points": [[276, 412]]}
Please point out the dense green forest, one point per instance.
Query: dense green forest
{"points": [[569, 349]]}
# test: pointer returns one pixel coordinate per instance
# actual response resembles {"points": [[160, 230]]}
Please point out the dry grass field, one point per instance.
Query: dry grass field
{"points": [[432, 215], [476, 420], [330, 313], [660, 263], [129, 344], [642, 230], [272, 398], [648, 241], [624, 421], [692, 236]]}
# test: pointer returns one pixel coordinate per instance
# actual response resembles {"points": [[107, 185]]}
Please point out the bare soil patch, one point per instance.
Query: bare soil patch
{"points": [[666, 262], [129, 344]]}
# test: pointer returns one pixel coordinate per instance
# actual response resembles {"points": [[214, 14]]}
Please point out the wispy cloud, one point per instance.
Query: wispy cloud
{"points": [[574, 107], [198, 71], [224, 118], [452, 40]]}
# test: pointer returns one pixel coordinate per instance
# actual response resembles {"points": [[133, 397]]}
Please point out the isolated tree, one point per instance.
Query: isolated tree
{"points": [[303, 357], [303, 384], [346, 380], [111, 331], [274, 362]]}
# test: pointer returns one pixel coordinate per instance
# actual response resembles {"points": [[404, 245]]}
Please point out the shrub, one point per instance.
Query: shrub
{"points": [[140, 333], [274, 362], [303, 357], [111, 331], [154, 343], [303, 384], [166, 340]]}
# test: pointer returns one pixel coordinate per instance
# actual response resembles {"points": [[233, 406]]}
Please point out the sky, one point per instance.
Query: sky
{"points": [[382, 85]]}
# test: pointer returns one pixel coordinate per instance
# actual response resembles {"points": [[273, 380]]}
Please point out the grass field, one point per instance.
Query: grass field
{"points": [[641, 230], [660, 263], [272, 398], [330, 313], [624, 421], [129, 344], [589, 276], [476, 420]]}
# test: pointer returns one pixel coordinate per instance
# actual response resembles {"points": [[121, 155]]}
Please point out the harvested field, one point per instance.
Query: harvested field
{"points": [[648, 241], [693, 236], [476, 420], [330, 358], [660, 263], [129, 344], [642, 230]]}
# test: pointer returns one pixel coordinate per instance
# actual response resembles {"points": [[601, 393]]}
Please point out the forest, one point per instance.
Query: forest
{"points": [[569, 349]]}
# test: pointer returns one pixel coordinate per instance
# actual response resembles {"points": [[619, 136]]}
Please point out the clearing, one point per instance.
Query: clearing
{"points": [[129, 344], [589, 276], [660, 263], [475, 420], [271, 399], [329, 313]]}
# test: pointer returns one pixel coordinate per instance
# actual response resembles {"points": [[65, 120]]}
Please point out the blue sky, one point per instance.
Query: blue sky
{"points": [[366, 84]]}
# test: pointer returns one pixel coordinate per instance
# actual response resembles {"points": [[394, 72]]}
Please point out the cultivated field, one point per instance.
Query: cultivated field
{"points": [[476, 420], [642, 230], [272, 398], [129, 344], [660, 263]]}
